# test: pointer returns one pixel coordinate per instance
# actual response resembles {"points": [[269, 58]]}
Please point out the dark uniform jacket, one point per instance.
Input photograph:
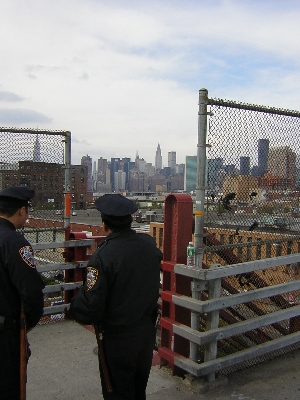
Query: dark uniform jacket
{"points": [[122, 282], [19, 279]]}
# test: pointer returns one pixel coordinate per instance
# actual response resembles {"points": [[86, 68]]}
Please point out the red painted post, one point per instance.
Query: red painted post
{"points": [[178, 223]]}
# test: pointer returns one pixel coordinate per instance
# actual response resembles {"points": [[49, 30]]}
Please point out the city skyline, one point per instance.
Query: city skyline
{"points": [[129, 77]]}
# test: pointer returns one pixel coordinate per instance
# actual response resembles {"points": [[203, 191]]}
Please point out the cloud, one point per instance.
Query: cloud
{"points": [[9, 96], [129, 77], [17, 116], [84, 76]]}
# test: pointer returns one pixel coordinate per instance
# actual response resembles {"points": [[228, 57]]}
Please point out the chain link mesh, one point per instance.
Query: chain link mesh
{"points": [[35, 158], [252, 211]]}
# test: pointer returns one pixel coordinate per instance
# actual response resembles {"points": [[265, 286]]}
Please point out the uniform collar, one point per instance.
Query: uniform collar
{"points": [[6, 222], [124, 232]]}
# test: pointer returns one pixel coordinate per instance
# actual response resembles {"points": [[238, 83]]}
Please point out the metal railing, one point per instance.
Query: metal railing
{"points": [[61, 287], [272, 326]]}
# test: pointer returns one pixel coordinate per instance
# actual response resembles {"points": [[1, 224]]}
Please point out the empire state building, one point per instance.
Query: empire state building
{"points": [[158, 159]]}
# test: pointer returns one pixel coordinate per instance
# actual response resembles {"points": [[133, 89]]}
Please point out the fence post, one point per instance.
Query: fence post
{"points": [[199, 209], [214, 290]]}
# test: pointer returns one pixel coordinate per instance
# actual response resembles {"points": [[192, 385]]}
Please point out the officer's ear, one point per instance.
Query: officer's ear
{"points": [[23, 210], [106, 228]]}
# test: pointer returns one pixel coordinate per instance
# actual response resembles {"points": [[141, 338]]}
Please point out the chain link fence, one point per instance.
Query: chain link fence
{"points": [[252, 209], [36, 158]]}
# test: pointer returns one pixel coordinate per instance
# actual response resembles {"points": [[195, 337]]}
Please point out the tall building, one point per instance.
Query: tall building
{"points": [[79, 181], [114, 167], [213, 167], [172, 161], [282, 163], [102, 165], [88, 162], [120, 181], [190, 179], [127, 165], [263, 152], [244, 165], [158, 159], [36, 150]]}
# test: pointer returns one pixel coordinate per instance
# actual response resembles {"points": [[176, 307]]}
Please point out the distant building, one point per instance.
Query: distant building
{"points": [[114, 167], [263, 153], [190, 179], [172, 161], [158, 159], [244, 165], [157, 180], [80, 196], [214, 165], [255, 171], [282, 163], [88, 162], [120, 181], [138, 181], [180, 168], [127, 165], [36, 150], [177, 182], [241, 185], [102, 166]]}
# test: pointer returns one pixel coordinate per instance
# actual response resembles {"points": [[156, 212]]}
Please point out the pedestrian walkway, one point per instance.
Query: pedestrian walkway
{"points": [[64, 366]]}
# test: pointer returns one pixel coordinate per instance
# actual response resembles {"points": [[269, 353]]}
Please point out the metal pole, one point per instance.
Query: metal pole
{"points": [[199, 208], [67, 192]]}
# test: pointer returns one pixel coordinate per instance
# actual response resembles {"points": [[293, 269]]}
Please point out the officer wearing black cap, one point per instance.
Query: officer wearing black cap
{"points": [[20, 283], [121, 292]]}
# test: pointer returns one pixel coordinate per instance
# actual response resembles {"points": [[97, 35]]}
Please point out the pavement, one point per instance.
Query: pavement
{"points": [[64, 366]]}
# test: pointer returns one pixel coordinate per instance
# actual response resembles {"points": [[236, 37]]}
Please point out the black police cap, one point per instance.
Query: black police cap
{"points": [[17, 193], [115, 205]]}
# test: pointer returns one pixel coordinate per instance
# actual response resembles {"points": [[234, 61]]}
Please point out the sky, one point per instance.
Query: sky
{"points": [[125, 75]]}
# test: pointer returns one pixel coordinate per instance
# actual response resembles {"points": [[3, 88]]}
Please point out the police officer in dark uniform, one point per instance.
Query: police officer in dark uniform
{"points": [[121, 292], [19, 283]]}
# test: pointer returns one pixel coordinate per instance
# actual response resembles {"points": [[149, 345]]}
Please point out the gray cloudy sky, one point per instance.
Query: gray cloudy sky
{"points": [[124, 75]]}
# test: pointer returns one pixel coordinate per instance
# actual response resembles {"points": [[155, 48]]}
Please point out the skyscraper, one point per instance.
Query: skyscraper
{"points": [[263, 152], [282, 162], [120, 181], [114, 167], [88, 162], [244, 165], [158, 159], [36, 150], [213, 167], [190, 178], [172, 161]]}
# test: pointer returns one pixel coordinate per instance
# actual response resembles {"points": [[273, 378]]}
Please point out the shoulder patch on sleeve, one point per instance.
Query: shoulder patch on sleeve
{"points": [[91, 277], [26, 254]]}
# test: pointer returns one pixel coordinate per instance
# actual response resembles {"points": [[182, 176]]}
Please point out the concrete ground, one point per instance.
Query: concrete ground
{"points": [[63, 366]]}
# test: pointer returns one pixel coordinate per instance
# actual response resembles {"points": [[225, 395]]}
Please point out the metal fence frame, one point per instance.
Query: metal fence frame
{"points": [[62, 267], [210, 279]]}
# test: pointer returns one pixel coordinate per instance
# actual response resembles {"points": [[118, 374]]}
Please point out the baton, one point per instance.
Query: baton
{"points": [[23, 354], [102, 360]]}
